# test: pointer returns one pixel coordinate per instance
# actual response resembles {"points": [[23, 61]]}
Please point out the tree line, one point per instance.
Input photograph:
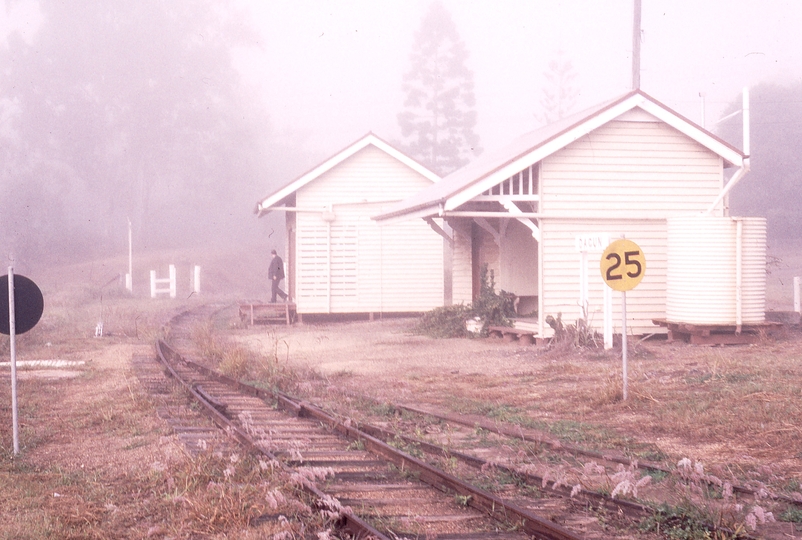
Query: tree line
{"points": [[133, 110], [128, 110]]}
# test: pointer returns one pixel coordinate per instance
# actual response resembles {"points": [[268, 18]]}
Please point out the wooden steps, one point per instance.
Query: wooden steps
{"points": [[258, 313]]}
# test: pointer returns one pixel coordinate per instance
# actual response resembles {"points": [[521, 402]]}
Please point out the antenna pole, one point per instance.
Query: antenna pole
{"points": [[747, 145], [636, 46]]}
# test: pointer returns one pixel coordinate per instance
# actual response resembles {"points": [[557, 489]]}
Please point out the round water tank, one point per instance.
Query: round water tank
{"points": [[716, 273], [753, 258]]}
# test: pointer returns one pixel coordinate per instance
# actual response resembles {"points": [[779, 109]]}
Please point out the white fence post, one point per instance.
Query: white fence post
{"points": [[797, 306], [153, 283], [195, 279], [170, 282]]}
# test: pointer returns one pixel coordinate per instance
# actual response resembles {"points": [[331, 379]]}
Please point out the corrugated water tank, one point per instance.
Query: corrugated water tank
{"points": [[716, 272]]}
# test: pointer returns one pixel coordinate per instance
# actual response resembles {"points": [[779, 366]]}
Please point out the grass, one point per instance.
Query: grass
{"points": [[240, 362], [792, 515], [714, 404], [96, 462], [686, 522]]}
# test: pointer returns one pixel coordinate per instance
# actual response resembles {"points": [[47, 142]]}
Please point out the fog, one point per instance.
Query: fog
{"points": [[180, 116]]}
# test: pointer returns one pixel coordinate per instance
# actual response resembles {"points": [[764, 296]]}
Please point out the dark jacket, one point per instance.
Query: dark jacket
{"points": [[276, 270]]}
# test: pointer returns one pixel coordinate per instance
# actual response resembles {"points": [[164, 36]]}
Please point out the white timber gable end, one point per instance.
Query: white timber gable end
{"points": [[624, 178], [347, 263]]}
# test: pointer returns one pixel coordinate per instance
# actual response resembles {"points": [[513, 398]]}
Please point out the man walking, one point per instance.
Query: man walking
{"points": [[276, 273]]}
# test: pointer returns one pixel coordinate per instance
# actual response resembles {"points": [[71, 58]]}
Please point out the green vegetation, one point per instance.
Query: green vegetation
{"points": [[413, 449], [792, 515], [489, 309], [578, 335], [686, 523], [241, 363]]}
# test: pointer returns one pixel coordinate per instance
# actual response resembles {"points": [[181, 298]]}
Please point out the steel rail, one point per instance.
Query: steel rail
{"points": [[348, 522], [477, 498], [360, 529], [553, 443], [576, 450], [628, 508]]}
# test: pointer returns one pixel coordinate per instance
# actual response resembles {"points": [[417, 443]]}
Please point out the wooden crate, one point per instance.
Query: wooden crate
{"points": [[718, 334]]}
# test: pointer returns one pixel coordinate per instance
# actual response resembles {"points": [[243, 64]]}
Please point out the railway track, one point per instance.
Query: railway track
{"points": [[385, 479], [376, 488]]}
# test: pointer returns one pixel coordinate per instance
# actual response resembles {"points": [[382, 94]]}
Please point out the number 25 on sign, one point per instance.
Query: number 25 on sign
{"points": [[622, 268], [623, 265]]}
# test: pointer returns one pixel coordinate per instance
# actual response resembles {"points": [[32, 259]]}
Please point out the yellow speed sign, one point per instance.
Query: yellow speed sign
{"points": [[623, 265]]}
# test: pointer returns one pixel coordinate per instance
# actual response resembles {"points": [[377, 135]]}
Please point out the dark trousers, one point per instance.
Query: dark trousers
{"points": [[275, 290]]}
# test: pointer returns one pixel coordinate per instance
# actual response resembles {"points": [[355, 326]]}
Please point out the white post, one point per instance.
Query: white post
{"points": [[702, 111], [797, 306], [636, 38], [172, 281], [153, 283], [624, 338], [747, 120], [12, 336], [196, 279], [129, 277], [583, 285], [608, 318]]}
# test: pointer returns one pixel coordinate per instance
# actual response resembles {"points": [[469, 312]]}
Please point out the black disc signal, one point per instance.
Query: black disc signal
{"points": [[28, 304]]}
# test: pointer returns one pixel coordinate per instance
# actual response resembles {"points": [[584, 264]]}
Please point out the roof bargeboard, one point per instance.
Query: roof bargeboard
{"points": [[266, 204], [493, 167]]}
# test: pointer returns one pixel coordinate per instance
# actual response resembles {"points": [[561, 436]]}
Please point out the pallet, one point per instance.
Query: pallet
{"points": [[267, 313], [717, 334], [508, 333]]}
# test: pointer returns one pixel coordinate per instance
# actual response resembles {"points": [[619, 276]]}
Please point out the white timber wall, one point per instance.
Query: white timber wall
{"points": [[561, 267], [518, 261], [635, 167], [352, 264], [626, 177], [462, 270]]}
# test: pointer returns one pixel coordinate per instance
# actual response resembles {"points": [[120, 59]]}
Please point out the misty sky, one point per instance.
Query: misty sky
{"points": [[331, 70]]}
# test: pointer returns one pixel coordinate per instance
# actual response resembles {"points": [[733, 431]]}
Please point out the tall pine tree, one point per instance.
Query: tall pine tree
{"points": [[439, 117], [559, 94]]}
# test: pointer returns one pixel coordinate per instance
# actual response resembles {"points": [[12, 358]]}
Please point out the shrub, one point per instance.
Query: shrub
{"points": [[445, 322], [578, 335], [490, 308]]}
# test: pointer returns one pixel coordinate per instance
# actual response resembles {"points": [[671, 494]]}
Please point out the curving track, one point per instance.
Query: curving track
{"points": [[376, 489], [357, 472]]}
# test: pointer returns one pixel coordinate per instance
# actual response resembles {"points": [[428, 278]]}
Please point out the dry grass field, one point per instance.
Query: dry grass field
{"points": [[97, 462], [738, 406]]}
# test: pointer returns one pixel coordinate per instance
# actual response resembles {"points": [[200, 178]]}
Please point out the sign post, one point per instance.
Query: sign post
{"points": [[623, 266], [22, 317], [12, 348]]}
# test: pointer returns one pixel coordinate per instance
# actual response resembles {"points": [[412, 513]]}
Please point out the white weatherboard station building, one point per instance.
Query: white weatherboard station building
{"points": [[529, 210], [340, 260]]}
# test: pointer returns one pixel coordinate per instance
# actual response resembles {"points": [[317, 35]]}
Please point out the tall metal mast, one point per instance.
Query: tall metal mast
{"points": [[636, 46]]}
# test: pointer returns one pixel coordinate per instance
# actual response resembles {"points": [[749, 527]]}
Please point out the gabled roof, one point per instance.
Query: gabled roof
{"points": [[493, 167], [265, 205]]}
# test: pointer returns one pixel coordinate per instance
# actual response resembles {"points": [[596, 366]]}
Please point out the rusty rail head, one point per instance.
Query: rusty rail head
{"points": [[350, 523], [479, 499]]}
